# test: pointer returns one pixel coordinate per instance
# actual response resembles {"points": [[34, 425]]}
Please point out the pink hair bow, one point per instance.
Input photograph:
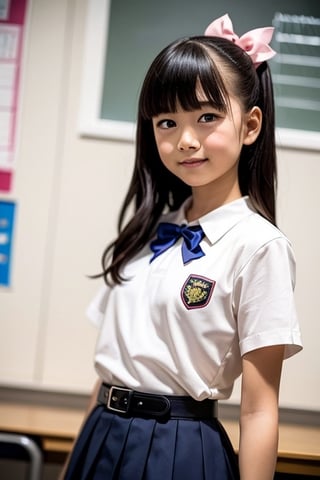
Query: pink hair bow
{"points": [[255, 43]]}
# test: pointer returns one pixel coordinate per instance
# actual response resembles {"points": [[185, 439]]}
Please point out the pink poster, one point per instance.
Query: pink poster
{"points": [[12, 19]]}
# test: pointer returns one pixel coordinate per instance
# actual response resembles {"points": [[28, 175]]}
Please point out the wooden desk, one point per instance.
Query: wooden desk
{"points": [[56, 427], [299, 446]]}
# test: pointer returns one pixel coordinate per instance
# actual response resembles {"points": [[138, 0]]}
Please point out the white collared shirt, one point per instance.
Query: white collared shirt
{"points": [[182, 329]]}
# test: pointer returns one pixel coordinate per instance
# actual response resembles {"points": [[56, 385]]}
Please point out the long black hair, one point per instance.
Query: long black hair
{"points": [[222, 69]]}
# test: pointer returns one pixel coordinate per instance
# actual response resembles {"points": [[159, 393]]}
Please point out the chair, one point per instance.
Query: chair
{"points": [[21, 447]]}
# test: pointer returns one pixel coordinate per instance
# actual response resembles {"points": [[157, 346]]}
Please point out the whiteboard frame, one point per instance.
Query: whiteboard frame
{"points": [[93, 126], [96, 36]]}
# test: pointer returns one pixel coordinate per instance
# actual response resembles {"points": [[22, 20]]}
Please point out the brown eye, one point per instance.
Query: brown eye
{"points": [[167, 123], [207, 118]]}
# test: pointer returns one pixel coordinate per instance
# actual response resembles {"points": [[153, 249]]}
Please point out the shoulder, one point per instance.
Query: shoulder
{"points": [[265, 246], [262, 244], [259, 230]]}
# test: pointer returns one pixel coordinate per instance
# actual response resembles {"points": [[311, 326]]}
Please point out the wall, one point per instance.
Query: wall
{"points": [[67, 197], [69, 190]]}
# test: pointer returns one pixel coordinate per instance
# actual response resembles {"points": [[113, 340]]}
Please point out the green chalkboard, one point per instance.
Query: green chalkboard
{"points": [[139, 29]]}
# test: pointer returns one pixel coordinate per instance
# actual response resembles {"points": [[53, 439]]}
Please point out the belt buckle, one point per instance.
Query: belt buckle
{"points": [[124, 397]]}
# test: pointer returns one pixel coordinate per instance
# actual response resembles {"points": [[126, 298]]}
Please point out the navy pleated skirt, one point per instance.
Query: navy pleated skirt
{"points": [[116, 447]]}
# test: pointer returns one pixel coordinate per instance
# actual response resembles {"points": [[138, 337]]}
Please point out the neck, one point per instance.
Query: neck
{"points": [[203, 203]]}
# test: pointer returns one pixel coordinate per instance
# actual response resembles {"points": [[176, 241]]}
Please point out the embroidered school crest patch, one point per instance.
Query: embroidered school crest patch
{"points": [[196, 291]]}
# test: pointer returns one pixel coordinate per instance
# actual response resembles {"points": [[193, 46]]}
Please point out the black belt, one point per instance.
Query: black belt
{"points": [[132, 403]]}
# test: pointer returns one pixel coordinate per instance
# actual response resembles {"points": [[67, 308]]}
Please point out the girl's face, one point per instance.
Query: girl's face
{"points": [[202, 147]]}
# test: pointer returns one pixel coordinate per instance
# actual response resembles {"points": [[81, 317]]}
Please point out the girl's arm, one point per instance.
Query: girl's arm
{"points": [[259, 413], [92, 403]]}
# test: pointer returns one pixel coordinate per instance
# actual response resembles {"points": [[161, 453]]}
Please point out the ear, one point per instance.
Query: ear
{"points": [[252, 125]]}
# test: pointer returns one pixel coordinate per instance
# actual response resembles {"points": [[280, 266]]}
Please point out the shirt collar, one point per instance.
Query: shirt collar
{"points": [[218, 222]]}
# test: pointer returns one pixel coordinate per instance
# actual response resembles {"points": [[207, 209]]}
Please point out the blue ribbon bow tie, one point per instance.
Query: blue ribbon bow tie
{"points": [[169, 233]]}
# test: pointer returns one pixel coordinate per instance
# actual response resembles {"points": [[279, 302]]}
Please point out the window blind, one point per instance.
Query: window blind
{"points": [[296, 71]]}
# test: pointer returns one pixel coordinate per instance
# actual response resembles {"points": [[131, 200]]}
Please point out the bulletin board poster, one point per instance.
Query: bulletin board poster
{"points": [[7, 213], [12, 21]]}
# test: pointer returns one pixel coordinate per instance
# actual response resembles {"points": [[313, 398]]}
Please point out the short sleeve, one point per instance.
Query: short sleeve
{"points": [[97, 307], [264, 299]]}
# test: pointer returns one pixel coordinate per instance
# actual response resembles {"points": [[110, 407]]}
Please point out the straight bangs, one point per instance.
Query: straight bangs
{"points": [[183, 75]]}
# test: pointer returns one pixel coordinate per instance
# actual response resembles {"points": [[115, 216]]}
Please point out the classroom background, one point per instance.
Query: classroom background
{"points": [[68, 181]]}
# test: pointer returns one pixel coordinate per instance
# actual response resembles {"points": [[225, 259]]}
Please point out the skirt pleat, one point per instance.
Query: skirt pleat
{"points": [[116, 447], [188, 463], [137, 446], [160, 462], [109, 460], [223, 460], [77, 464]]}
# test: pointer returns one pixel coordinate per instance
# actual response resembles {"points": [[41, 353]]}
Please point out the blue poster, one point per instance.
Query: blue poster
{"points": [[7, 211]]}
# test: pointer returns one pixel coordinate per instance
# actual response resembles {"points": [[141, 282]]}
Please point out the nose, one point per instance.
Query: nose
{"points": [[188, 141]]}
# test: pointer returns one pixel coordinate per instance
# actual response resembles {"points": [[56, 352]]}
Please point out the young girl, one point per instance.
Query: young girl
{"points": [[199, 283]]}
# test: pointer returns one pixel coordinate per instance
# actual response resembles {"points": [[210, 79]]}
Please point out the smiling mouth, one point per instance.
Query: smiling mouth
{"points": [[193, 162]]}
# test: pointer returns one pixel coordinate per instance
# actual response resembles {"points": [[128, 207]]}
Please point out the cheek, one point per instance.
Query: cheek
{"points": [[215, 142], [222, 141], [164, 148]]}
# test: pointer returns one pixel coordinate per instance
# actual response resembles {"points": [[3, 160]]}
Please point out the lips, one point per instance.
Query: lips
{"points": [[193, 162]]}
